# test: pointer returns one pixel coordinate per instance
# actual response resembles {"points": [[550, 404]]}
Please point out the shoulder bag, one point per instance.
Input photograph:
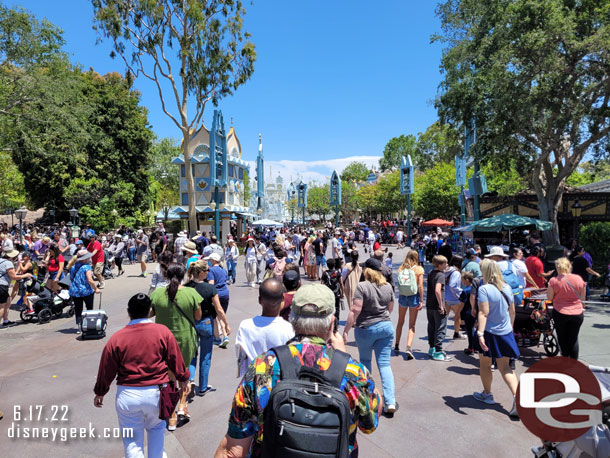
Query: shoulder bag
{"points": [[190, 321]]}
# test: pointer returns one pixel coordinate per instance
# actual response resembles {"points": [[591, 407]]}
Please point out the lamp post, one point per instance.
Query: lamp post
{"points": [[291, 193], [302, 198], [73, 215], [576, 212], [407, 183], [21, 213], [335, 194], [147, 215]]}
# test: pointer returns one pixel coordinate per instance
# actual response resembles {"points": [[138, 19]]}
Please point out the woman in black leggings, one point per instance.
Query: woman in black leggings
{"points": [[82, 286], [567, 291]]}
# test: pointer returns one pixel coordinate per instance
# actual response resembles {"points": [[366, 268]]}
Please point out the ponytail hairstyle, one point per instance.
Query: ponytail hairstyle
{"points": [[411, 260], [195, 268], [354, 257], [175, 275]]}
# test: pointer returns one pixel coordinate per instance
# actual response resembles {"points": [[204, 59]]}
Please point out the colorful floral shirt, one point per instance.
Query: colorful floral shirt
{"points": [[252, 395]]}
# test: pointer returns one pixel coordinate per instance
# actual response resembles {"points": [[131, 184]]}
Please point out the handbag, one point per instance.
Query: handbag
{"points": [[169, 395], [190, 321]]}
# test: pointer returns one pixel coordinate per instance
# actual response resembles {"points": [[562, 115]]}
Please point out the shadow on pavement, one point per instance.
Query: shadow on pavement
{"points": [[601, 326], [463, 370], [467, 401], [466, 359]]}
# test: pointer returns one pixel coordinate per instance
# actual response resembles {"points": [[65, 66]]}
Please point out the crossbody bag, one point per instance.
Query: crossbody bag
{"points": [[191, 321]]}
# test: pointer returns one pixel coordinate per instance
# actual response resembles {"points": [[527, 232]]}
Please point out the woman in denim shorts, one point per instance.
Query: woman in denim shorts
{"points": [[413, 303]]}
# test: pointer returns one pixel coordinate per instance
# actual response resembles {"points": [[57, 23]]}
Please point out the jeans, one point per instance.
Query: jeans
{"points": [[232, 269], [260, 270], [205, 330], [378, 337], [137, 407], [132, 254], [437, 327], [568, 327]]}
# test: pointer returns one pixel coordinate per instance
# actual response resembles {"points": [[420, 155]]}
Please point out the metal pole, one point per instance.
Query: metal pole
{"points": [[477, 209], [337, 216], [303, 216], [20, 230], [409, 218], [216, 214], [463, 209]]}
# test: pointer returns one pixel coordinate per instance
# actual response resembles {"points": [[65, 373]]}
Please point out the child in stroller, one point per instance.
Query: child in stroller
{"points": [[38, 293]]}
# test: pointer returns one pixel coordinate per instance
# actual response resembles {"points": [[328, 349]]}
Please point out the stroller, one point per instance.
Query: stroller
{"points": [[49, 304], [533, 322], [107, 270], [596, 441]]}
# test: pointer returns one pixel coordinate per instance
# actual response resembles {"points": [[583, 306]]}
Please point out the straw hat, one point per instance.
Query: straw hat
{"points": [[190, 247]]}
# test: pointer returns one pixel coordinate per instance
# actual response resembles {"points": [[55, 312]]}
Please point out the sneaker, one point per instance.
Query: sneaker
{"points": [[484, 397], [441, 356], [431, 352], [513, 412], [494, 366], [458, 336], [143, 274], [8, 323], [396, 350], [409, 354], [101, 285], [191, 393], [171, 424], [207, 390], [224, 343], [511, 363], [391, 409], [217, 341], [30, 312], [468, 351]]}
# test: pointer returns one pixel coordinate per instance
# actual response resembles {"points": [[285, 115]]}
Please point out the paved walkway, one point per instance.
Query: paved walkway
{"points": [[48, 365]]}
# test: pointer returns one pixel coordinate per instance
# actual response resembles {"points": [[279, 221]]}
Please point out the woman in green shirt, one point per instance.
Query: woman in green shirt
{"points": [[177, 307]]}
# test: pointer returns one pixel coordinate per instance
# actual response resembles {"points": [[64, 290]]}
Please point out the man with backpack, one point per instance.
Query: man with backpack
{"points": [[283, 397]]}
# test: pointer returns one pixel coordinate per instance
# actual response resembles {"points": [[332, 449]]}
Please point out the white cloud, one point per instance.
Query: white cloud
{"points": [[310, 171]]}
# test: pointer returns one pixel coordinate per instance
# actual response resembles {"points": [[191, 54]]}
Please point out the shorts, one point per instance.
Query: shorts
{"points": [[452, 303], [53, 275], [3, 294], [320, 261], [99, 268], [141, 256], [408, 301]]}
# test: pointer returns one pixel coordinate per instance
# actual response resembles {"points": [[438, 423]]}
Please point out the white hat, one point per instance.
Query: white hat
{"points": [[496, 251], [214, 257], [181, 234]]}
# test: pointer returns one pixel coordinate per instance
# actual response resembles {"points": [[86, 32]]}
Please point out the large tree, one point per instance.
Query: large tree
{"points": [[436, 195], [355, 171], [395, 149], [194, 51], [535, 78]]}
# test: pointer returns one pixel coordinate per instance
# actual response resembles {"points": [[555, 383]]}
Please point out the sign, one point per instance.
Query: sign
{"points": [[218, 152], [335, 189], [559, 399], [406, 175], [477, 185], [470, 137], [460, 171], [302, 195]]}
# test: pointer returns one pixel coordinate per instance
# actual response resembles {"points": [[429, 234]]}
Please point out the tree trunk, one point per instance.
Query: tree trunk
{"points": [[549, 195], [190, 184]]}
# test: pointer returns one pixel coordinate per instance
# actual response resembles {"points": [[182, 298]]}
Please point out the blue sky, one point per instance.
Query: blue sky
{"points": [[334, 80]]}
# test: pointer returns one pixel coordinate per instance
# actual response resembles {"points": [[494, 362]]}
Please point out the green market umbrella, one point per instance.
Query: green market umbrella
{"points": [[507, 222]]}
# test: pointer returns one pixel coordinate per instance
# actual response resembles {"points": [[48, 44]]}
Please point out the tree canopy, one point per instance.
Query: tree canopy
{"points": [[395, 149], [355, 171], [533, 76]]}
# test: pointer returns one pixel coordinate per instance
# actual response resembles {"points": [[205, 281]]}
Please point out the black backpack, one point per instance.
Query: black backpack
{"points": [[308, 414], [332, 282]]}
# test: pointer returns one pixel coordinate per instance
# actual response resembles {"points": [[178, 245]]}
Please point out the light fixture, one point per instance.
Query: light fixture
{"points": [[21, 212], [213, 205], [73, 212], [221, 206], [576, 209]]}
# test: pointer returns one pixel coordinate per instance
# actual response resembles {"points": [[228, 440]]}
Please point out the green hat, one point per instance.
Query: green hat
{"points": [[315, 300]]}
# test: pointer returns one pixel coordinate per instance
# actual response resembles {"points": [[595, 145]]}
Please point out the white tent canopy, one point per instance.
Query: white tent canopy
{"points": [[267, 222]]}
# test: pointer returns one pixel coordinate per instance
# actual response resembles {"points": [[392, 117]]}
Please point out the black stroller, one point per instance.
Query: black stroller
{"points": [[48, 304], [533, 322]]}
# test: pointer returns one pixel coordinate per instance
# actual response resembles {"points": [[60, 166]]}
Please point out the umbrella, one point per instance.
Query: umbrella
{"points": [[267, 222], [506, 222], [437, 222]]}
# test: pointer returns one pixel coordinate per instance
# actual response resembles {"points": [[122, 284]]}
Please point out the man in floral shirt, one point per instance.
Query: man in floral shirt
{"points": [[313, 308]]}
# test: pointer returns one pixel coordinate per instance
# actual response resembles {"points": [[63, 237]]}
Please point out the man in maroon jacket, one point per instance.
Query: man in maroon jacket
{"points": [[142, 354]]}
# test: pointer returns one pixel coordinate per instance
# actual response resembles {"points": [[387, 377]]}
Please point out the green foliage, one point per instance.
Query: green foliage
{"points": [[165, 176], [395, 149], [355, 171], [436, 195], [318, 201], [12, 189], [506, 181], [349, 206], [533, 77], [595, 238], [246, 188], [439, 143]]}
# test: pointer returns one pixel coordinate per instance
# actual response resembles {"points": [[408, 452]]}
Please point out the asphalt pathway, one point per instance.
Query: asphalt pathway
{"points": [[48, 365]]}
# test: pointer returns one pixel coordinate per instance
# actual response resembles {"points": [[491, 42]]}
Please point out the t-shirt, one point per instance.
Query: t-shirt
{"points": [[434, 277], [55, 263], [375, 301], [566, 299], [535, 267], [473, 267], [208, 292], [498, 319], [520, 270], [219, 275], [5, 266], [99, 256], [251, 254], [259, 334], [143, 247], [335, 246], [579, 267], [317, 246]]}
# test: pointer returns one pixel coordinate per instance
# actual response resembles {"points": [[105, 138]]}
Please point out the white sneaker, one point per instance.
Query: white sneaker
{"points": [[101, 285]]}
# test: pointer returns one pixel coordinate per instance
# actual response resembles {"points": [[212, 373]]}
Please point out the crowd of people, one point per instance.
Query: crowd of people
{"points": [[189, 295]]}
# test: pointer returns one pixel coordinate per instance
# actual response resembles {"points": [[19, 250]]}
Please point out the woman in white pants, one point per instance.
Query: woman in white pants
{"points": [[251, 262], [140, 355]]}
